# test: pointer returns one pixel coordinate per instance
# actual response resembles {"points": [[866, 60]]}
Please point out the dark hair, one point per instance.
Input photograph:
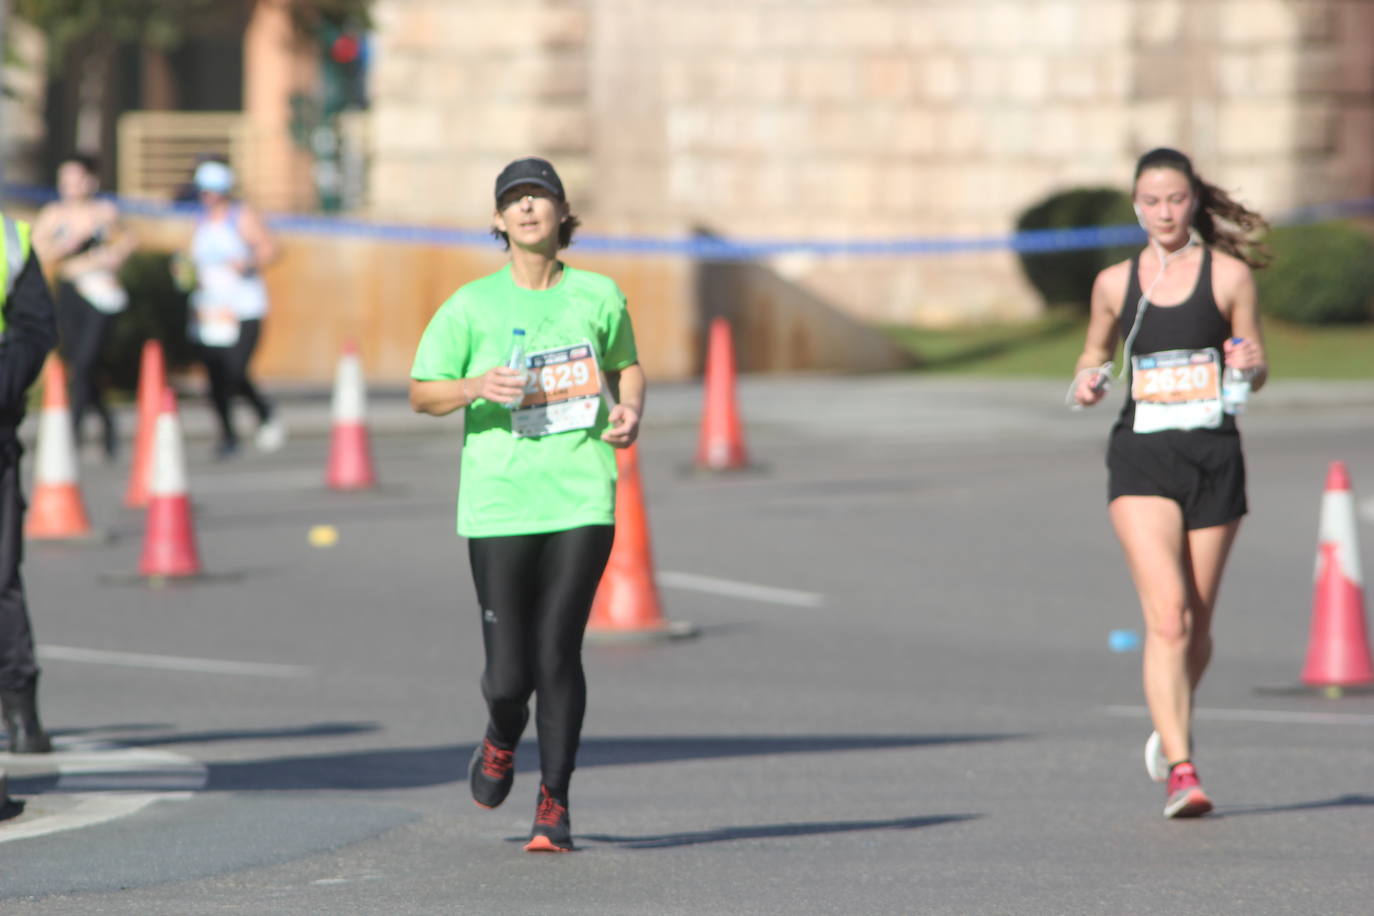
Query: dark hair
{"points": [[88, 164], [1221, 221], [565, 232]]}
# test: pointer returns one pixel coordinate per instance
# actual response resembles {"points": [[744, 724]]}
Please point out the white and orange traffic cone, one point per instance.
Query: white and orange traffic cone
{"points": [[56, 512], [1338, 649], [627, 606], [350, 451], [152, 378], [721, 444], [169, 537]]}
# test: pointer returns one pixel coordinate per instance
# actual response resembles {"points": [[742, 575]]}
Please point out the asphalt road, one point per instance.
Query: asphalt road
{"points": [[918, 713]]}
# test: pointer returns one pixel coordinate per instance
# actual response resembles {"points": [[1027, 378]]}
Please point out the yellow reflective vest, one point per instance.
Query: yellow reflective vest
{"points": [[14, 253]]}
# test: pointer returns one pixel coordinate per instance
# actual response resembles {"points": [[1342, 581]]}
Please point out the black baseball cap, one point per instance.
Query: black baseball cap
{"points": [[529, 171]]}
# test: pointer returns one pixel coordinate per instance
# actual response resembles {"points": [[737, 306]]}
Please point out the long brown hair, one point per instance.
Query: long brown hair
{"points": [[1222, 222]]}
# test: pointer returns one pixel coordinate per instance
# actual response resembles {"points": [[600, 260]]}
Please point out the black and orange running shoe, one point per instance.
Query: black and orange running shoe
{"points": [[552, 830], [491, 772]]}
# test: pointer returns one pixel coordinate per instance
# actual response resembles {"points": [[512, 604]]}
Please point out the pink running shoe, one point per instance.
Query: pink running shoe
{"points": [[1185, 795]]}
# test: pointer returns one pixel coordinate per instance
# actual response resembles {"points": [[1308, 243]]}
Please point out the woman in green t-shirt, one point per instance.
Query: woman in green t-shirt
{"points": [[537, 498]]}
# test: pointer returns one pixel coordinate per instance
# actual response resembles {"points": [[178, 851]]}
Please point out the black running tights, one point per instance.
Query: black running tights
{"points": [[536, 592], [84, 331], [227, 368]]}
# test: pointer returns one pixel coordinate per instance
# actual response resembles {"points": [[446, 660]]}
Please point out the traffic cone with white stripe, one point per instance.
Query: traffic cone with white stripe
{"points": [[169, 538], [350, 451], [152, 377], [626, 606], [1338, 649], [56, 512]]}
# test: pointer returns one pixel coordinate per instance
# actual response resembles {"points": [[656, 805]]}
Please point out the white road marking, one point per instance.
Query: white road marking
{"points": [[1256, 715], [104, 782], [745, 590], [170, 662]]}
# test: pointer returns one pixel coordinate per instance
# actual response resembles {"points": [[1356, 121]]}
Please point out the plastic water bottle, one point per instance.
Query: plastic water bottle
{"points": [[1235, 387], [516, 361]]}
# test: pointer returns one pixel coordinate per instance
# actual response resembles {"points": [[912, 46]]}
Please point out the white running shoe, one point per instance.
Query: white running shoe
{"points": [[1155, 762], [271, 436]]}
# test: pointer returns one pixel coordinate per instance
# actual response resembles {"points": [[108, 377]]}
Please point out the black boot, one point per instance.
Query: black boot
{"points": [[20, 711]]}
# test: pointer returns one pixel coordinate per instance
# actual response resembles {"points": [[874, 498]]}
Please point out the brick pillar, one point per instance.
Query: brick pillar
{"points": [[276, 64]]}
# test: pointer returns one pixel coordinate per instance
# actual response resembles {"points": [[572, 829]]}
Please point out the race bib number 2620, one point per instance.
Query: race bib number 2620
{"points": [[1176, 389]]}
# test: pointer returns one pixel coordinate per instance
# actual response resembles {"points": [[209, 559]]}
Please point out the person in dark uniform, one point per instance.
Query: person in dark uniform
{"points": [[28, 330], [1186, 309]]}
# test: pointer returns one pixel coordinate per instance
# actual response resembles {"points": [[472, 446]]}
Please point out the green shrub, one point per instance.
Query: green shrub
{"points": [[1066, 277], [157, 311], [1322, 273]]}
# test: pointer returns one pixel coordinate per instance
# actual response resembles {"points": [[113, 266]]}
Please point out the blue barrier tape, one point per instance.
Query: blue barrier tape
{"points": [[705, 248]]}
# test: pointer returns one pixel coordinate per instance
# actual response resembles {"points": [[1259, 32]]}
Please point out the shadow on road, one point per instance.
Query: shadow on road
{"points": [[118, 734], [766, 831], [405, 768], [1343, 801]]}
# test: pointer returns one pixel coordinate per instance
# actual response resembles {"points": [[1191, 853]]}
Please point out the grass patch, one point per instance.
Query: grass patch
{"points": [[1048, 347]]}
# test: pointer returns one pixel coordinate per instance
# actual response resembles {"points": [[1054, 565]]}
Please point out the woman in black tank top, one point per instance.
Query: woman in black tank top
{"points": [[1185, 310], [81, 237]]}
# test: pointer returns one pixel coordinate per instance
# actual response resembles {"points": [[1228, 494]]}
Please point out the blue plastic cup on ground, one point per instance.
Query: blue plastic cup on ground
{"points": [[1123, 640]]}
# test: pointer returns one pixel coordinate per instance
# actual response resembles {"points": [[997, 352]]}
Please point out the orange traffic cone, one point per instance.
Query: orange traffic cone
{"points": [[626, 604], [1338, 649], [721, 446], [169, 538], [152, 378], [350, 453], [56, 512]]}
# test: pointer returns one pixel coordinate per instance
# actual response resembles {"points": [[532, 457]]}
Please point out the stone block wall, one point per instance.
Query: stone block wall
{"points": [[866, 119]]}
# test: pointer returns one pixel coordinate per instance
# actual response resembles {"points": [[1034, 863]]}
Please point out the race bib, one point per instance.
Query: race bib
{"points": [[1176, 389], [562, 392], [214, 325], [102, 290], [216, 321]]}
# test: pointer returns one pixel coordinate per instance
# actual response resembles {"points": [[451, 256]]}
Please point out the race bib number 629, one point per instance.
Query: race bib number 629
{"points": [[563, 392]]}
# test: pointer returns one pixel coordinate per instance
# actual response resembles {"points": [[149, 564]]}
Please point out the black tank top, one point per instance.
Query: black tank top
{"points": [[1194, 324]]}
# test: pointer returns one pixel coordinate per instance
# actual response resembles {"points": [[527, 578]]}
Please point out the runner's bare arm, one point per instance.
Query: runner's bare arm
{"points": [[1245, 322], [46, 229], [259, 239], [122, 241], [440, 397], [1100, 340], [629, 386]]}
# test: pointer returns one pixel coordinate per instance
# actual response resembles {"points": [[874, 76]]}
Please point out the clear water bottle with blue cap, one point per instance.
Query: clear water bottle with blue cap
{"points": [[1235, 387], [516, 361]]}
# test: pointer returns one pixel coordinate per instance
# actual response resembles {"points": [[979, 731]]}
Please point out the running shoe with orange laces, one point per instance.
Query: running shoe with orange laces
{"points": [[1185, 796], [552, 830], [491, 773]]}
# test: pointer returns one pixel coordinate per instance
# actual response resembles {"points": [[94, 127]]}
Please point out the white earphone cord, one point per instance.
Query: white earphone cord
{"points": [[1144, 303]]}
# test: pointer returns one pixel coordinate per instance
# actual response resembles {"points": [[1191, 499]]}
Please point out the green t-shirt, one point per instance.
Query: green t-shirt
{"points": [[528, 485]]}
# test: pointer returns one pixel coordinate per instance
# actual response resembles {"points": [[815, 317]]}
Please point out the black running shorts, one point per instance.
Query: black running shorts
{"points": [[1202, 470]]}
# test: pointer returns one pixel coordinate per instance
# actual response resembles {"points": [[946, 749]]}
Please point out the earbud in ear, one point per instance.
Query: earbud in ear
{"points": [[1139, 217]]}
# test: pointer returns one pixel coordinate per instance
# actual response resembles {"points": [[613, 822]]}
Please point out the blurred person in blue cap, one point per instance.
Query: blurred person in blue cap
{"points": [[229, 249], [79, 235], [541, 358]]}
